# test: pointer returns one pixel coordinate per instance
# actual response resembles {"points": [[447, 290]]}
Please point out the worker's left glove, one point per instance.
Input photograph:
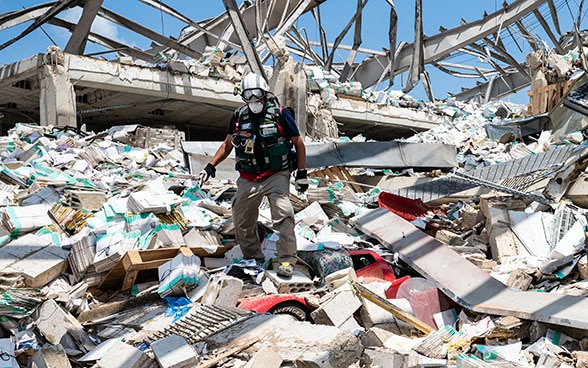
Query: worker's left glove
{"points": [[301, 181], [206, 173]]}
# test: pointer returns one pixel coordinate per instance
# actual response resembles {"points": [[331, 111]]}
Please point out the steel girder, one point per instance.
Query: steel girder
{"points": [[443, 44], [264, 19]]}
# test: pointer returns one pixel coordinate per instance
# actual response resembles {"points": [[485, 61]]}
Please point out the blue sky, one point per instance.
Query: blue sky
{"points": [[335, 14]]}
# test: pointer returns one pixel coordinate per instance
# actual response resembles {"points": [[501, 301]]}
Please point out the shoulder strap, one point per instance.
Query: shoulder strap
{"points": [[238, 111]]}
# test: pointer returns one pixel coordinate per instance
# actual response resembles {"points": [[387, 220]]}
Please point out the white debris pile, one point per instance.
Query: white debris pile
{"points": [[465, 127]]}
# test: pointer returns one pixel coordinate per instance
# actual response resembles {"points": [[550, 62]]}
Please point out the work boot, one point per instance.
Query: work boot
{"points": [[285, 270]]}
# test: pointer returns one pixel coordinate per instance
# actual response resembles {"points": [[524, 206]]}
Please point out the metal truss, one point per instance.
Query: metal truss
{"points": [[487, 46]]}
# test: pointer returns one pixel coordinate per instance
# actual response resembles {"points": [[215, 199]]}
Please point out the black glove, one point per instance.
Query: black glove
{"points": [[301, 181], [206, 173]]}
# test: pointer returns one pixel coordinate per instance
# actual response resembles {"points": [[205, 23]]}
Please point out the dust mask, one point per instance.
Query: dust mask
{"points": [[255, 107]]}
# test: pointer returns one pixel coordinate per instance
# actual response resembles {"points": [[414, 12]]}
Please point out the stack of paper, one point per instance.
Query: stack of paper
{"points": [[111, 247], [179, 275], [197, 216], [143, 222], [83, 250], [169, 236], [46, 195], [146, 201], [7, 193], [19, 220], [9, 177]]}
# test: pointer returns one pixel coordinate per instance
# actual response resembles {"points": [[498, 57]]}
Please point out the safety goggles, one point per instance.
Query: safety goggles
{"points": [[253, 94]]}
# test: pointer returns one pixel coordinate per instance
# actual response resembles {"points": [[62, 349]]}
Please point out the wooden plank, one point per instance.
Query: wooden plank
{"points": [[544, 99], [394, 310], [125, 272], [337, 174]]}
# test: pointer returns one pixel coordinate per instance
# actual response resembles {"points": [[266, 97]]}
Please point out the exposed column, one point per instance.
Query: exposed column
{"points": [[289, 82], [57, 101]]}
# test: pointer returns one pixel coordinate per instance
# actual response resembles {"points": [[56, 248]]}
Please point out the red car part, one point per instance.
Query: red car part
{"points": [[367, 264]]}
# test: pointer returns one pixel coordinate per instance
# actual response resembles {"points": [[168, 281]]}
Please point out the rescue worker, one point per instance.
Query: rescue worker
{"points": [[268, 147]]}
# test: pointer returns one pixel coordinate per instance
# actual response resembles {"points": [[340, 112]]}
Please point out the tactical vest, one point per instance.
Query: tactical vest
{"points": [[261, 145]]}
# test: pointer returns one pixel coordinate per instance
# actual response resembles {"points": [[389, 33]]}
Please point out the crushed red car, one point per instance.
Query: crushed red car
{"points": [[366, 263]]}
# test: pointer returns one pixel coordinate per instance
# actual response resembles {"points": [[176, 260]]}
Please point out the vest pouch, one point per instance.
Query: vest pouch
{"points": [[279, 156], [244, 161]]}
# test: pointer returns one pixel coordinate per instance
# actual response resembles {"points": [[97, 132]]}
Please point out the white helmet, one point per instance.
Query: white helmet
{"points": [[254, 81]]}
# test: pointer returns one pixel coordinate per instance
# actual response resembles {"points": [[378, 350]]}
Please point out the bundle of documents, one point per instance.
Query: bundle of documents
{"points": [[147, 201], [169, 236], [83, 249], [111, 247], [178, 275], [20, 220]]}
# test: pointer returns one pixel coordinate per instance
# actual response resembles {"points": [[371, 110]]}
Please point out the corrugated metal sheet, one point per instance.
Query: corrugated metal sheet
{"points": [[445, 187]]}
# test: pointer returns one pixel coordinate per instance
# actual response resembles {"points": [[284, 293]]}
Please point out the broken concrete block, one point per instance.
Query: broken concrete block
{"points": [[503, 242], [548, 360], [298, 283], [398, 327], [578, 191], [87, 200], [581, 358], [371, 314], [384, 358], [50, 356], [375, 336], [42, 267], [351, 325], [470, 217], [338, 309], [339, 278], [583, 267], [174, 352], [519, 279], [266, 357], [482, 262], [448, 237], [222, 290], [55, 324], [305, 344], [122, 355]]}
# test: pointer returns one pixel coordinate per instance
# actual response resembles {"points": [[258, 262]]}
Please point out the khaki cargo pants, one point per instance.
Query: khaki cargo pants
{"points": [[245, 209]]}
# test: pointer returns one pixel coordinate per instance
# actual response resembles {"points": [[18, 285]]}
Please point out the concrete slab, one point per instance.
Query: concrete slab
{"points": [[381, 155], [174, 352], [306, 344], [465, 283], [50, 356], [123, 355]]}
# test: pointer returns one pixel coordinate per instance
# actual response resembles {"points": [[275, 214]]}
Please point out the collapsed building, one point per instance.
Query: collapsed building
{"points": [[462, 220]]}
